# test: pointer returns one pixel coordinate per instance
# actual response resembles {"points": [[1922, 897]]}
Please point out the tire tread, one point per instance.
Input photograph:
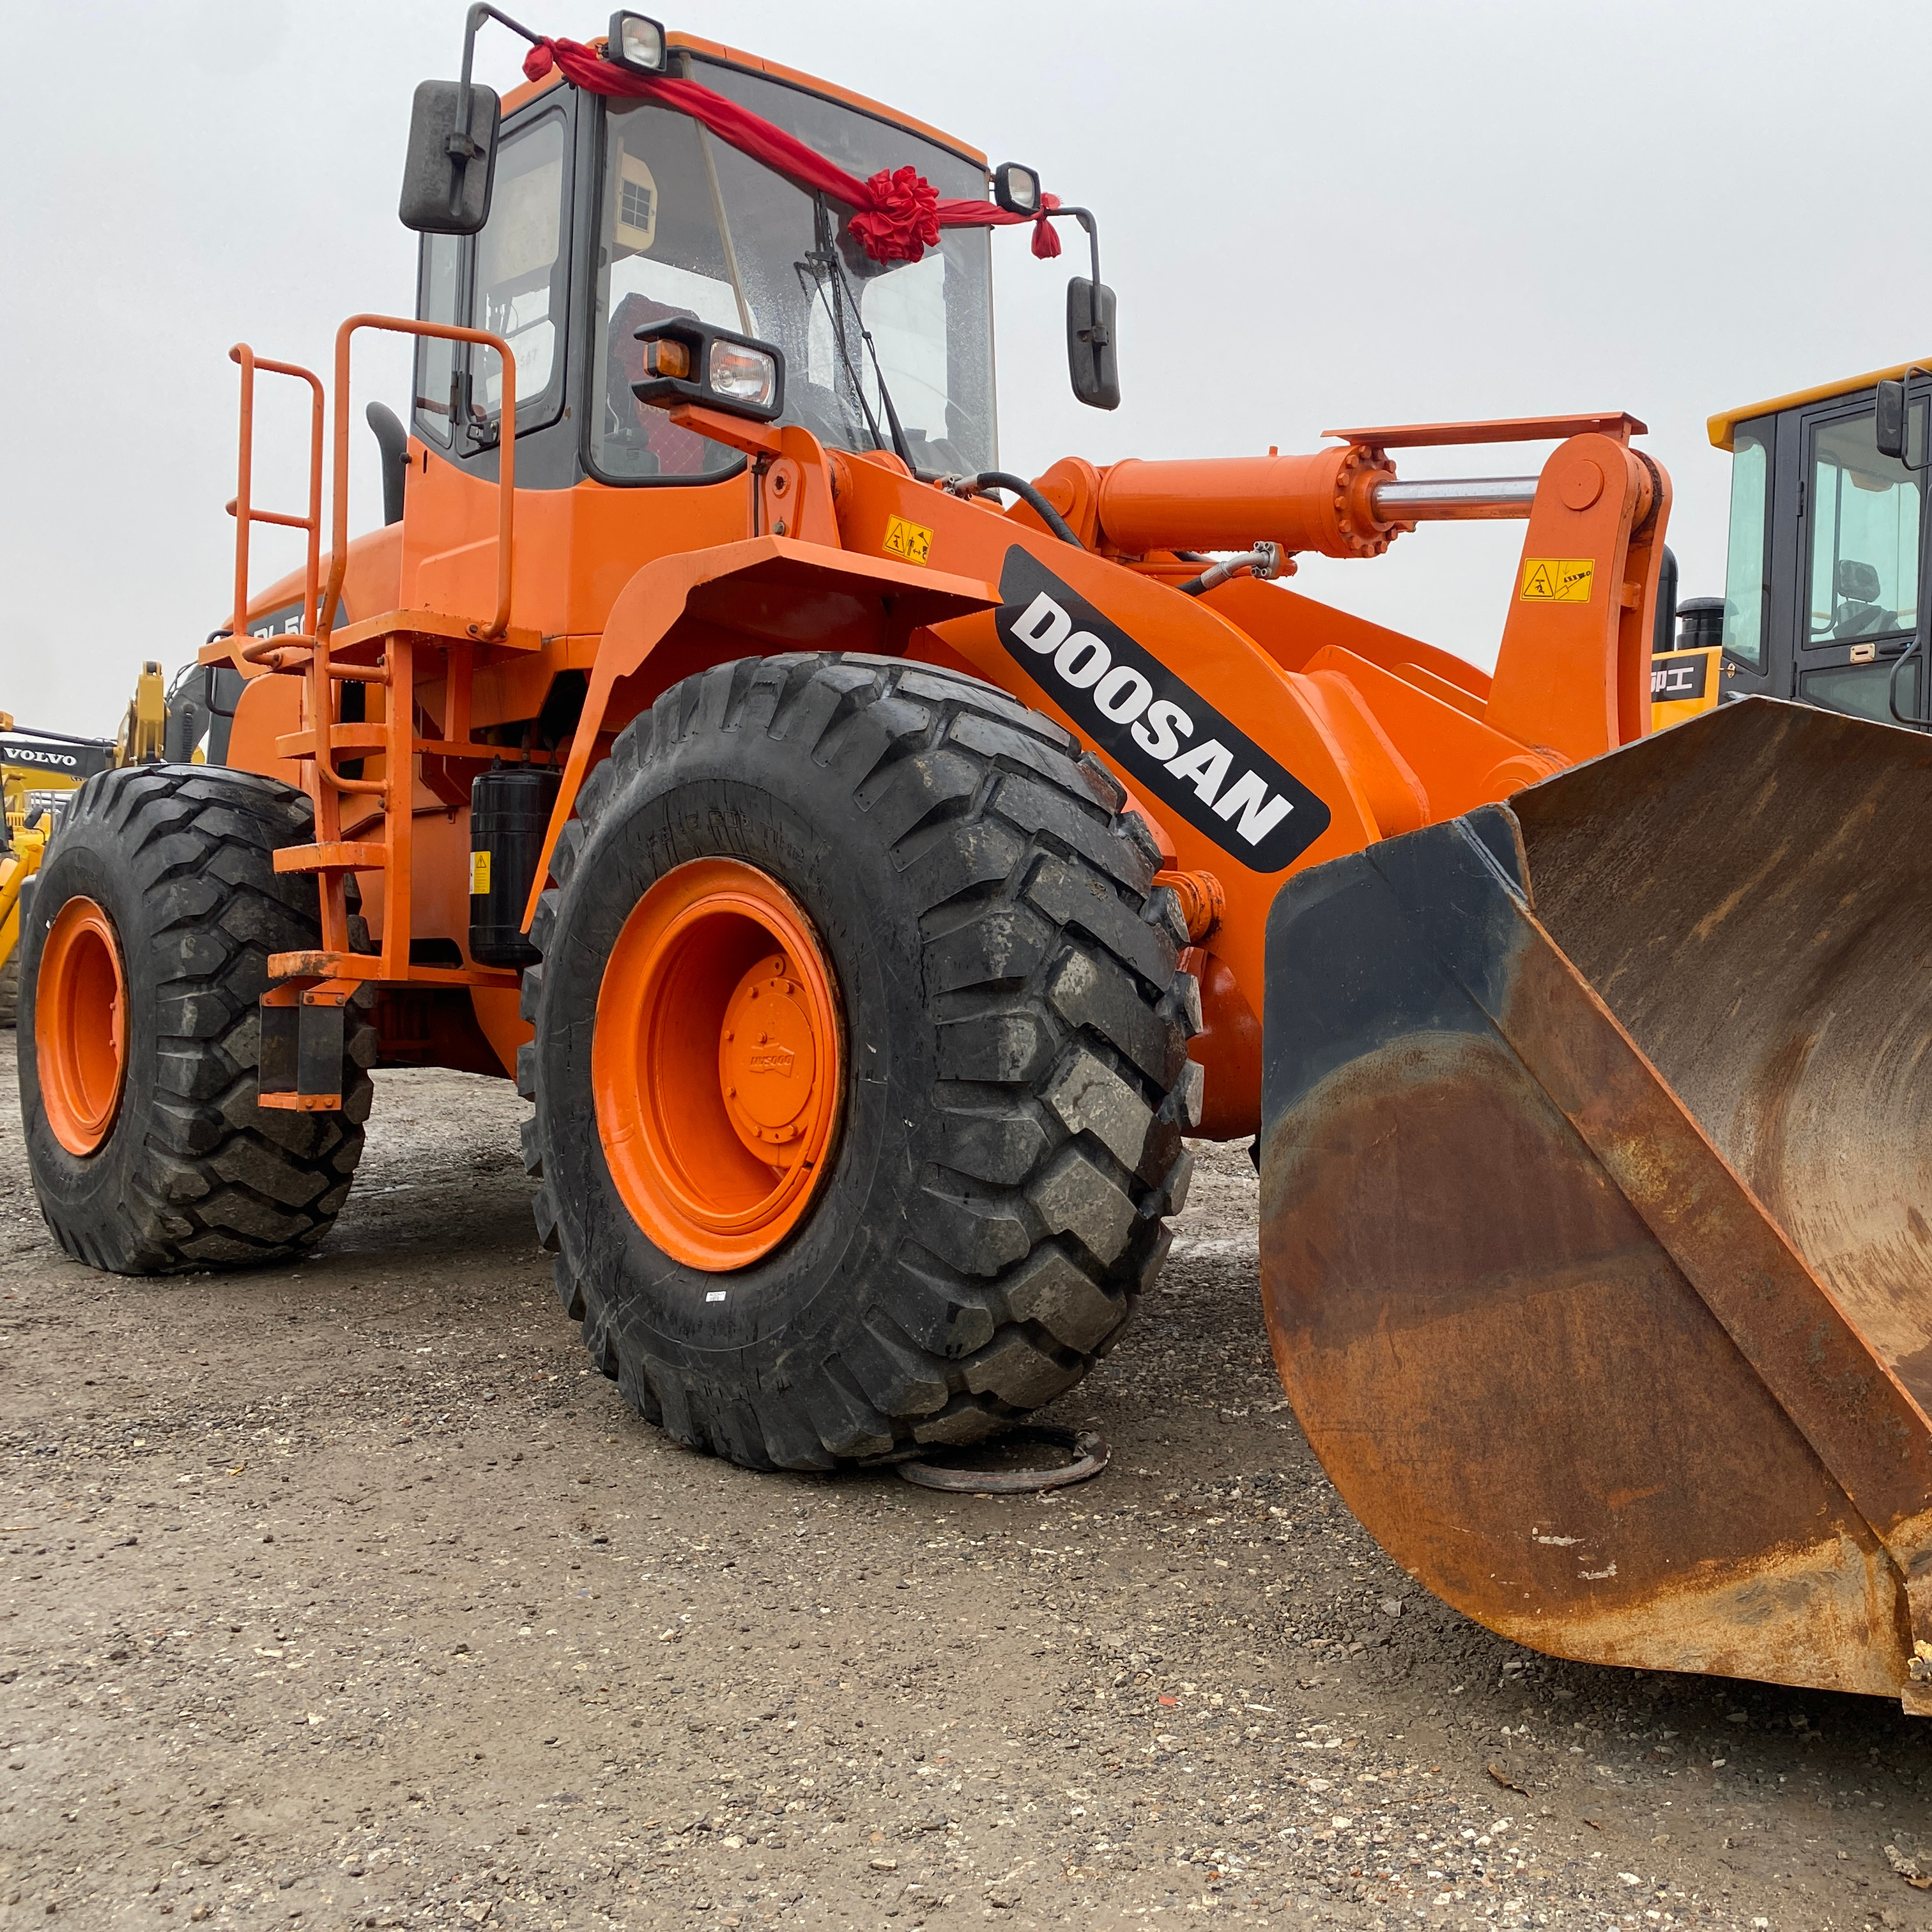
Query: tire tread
{"points": [[219, 1181], [1053, 1149]]}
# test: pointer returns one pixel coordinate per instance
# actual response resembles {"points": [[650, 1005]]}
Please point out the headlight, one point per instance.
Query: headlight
{"points": [[693, 362], [636, 42], [748, 375]]}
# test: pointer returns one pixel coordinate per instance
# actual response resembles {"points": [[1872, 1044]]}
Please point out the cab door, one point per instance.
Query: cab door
{"points": [[513, 278], [1862, 557]]}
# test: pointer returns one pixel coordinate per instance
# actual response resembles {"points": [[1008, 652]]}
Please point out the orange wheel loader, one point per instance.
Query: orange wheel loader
{"points": [[870, 882]]}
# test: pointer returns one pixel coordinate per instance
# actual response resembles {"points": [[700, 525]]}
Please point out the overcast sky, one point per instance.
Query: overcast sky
{"points": [[1313, 215]]}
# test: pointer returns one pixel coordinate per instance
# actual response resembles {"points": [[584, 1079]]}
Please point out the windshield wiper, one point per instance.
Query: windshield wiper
{"points": [[823, 261], [811, 276]]}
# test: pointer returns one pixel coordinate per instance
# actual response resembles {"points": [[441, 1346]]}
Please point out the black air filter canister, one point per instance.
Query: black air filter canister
{"points": [[509, 813], [1701, 620]]}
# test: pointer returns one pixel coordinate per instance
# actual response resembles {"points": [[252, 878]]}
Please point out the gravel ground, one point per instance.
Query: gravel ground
{"points": [[345, 1594]]}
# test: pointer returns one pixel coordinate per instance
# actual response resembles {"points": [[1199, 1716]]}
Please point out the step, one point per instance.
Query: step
{"points": [[339, 855]]}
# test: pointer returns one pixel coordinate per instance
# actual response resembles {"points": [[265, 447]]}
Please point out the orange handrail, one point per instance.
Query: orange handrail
{"points": [[319, 604], [321, 673], [338, 559], [241, 507]]}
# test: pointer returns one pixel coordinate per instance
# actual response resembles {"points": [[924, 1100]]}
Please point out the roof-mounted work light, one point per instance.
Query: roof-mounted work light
{"points": [[637, 43], [1016, 189]]}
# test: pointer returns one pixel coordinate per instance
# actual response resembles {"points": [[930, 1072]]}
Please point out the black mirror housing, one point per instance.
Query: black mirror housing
{"points": [[1890, 426], [449, 173], [1091, 360]]}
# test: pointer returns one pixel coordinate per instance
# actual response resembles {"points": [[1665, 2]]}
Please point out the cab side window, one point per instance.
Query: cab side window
{"points": [[438, 296], [520, 287], [1747, 554], [512, 279]]}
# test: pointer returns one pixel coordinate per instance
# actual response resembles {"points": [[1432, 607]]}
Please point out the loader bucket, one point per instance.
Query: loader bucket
{"points": [[1596, 1137]]}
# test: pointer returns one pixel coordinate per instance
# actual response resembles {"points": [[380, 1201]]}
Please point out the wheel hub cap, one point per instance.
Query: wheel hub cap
{"points": [[768, 1058], [80, 1026], [717, 1064]]}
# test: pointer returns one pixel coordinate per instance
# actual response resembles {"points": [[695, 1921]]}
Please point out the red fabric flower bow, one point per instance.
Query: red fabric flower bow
{"points": [[903, 221]]}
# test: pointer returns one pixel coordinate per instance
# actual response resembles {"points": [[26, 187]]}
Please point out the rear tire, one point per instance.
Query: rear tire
{"points": [[9, 987], [1016, 1078], [191, 1174]]}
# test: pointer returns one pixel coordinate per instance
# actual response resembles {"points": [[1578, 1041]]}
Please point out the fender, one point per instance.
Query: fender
{"points": [[776, 592]]}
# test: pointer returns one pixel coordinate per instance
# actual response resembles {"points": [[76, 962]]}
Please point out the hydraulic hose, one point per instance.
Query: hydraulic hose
{"points": [[1000, 479], [1264, 561]]}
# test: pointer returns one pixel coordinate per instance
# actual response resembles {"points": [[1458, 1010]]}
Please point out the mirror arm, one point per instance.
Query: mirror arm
{"points": [[462, 146], [1096, 335]]}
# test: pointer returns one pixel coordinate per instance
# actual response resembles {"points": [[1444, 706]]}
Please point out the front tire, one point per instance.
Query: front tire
{"points": [[138, 1056], [1014, 1083]]}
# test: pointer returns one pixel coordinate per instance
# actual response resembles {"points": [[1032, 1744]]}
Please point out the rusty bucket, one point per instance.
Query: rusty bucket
{"points": [[1597, 1134]]}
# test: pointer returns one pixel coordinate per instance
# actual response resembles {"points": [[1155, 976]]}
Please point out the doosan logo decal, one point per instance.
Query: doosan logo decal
{"points": [[1169, 740]]}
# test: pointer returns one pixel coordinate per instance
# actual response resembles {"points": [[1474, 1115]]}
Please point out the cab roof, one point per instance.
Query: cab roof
{"points": [[714, 50], [1723, 425]]}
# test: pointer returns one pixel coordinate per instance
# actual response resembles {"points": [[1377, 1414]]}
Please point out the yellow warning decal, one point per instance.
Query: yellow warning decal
{"points": [[1557, 580], [479, 873], [911, 540]]}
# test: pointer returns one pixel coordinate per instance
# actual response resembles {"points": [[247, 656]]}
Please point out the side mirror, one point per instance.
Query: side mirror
{"points": [[449, 171], [1090, 357], [1889, 428]]}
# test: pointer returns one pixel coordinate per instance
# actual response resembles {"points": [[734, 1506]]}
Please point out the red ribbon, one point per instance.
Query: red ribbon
{"points": [[897, 215]]}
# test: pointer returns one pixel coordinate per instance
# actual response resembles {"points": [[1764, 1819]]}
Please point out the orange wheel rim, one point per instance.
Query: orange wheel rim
{"points": [[80, 1026], [718, 1064]]}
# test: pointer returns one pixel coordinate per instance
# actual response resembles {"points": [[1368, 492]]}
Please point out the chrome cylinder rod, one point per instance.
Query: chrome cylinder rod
{"points": [[1454, 499]]}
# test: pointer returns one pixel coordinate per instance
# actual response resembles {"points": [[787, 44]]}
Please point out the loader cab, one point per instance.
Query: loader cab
{"points": [[610, 215], [1827, 552]]}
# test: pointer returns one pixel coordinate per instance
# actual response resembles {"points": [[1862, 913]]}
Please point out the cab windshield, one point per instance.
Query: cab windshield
{"points": [[689, 227]]}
